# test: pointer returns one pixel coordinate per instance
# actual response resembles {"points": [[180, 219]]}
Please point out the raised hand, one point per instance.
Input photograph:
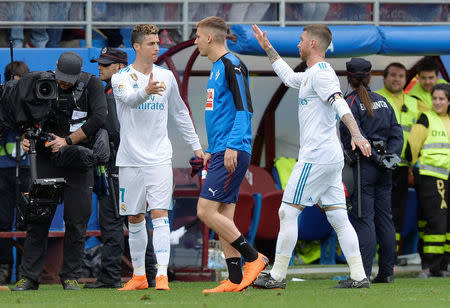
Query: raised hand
{"points": [[261, 37], [154, 87], [265, 44]]}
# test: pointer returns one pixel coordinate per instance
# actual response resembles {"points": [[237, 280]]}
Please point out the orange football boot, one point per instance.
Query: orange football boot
{"points": [[252, 270], [225, 286], [162, 283], [136, 283]]}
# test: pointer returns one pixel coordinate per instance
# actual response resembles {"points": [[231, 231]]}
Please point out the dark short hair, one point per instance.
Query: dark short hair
{"points": [[393, 64], [427, 64], [140, 31], [321, 33], [443, 87], [216, 23], [18, 68]]}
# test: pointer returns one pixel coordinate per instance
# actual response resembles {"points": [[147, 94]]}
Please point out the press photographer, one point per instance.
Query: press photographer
{"points": [[71, 114]]}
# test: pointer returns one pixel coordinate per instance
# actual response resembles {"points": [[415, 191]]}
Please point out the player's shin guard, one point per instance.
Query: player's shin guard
{"points": [[161, 244], [286, 241], [138, 244], [348, 240]]}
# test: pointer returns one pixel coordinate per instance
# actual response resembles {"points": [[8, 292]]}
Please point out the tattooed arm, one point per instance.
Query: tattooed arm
{"points": [[357, 138], [265, 44], [281, 68]]}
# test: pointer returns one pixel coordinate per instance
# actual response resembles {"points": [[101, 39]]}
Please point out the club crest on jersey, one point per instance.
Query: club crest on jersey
{"points": [[134, 76], [210, 99], [163, 84]]}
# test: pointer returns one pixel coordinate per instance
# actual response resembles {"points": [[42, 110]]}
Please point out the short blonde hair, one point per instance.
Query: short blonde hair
{"points": [[217, 24], [140, 31]]}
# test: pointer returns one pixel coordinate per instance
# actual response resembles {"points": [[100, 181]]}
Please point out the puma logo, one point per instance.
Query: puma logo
{"points": [[234, 263], [238, 69], [212, 191]]}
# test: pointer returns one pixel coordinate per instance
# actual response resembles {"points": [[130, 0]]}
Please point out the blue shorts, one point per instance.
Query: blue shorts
{"points": [[220, 184]]}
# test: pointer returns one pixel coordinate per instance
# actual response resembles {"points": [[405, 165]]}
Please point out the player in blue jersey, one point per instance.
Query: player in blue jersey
{"points": [[228, 115]]}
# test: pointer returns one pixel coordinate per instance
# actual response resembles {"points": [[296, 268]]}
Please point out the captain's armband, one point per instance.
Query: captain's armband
{"points": [[338, 104], [334, 97]]}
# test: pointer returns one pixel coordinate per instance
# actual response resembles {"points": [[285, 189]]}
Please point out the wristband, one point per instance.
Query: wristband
{"points": [[68, 140]]}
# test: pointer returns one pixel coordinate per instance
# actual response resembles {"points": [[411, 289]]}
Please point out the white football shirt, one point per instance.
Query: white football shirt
{"points": [[319, 142], [143, 118]]}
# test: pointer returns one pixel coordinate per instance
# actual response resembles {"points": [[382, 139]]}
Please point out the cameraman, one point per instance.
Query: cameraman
{"points": [[73, 121], [377, 122], [110, 61], [8, 187]]}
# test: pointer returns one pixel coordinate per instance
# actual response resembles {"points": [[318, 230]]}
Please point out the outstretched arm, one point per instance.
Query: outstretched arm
{"points": [[265, 43], [281, 68]]}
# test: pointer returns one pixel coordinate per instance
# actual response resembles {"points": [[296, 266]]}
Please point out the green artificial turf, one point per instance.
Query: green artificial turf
{"points": [[405, 292]]}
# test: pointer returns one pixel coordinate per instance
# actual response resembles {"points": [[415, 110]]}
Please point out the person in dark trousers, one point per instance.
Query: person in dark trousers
{"points": [[13, 70], [406, 112], [110, 61], [80, 113], [378, 124], [429, 146]]}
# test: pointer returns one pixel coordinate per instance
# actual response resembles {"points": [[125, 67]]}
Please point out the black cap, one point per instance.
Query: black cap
{"points": [[358, 67], [110, 55], [68, 68]]}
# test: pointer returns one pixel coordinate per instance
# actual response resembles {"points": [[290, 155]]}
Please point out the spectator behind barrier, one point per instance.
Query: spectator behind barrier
{"points": [[429, 146], [428, 76]]}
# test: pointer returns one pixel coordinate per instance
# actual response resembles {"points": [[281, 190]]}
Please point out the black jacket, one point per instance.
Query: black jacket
{"points": [[112, 122], [383, 126]]}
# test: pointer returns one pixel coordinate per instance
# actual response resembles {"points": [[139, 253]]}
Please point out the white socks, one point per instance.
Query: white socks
{"points": [[349, 242], [161, 244], [138, 245], [286, 241]]}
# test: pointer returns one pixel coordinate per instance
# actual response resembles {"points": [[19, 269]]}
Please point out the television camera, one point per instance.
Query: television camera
{"points": [[24, 105]]}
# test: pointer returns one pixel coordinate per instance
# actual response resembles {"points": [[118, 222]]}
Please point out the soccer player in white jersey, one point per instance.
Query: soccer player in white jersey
{"points": [[145, 95], [317, 174]]}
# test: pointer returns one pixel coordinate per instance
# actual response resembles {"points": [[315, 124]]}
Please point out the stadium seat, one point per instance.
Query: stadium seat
{"points": [[259, 181], [247, 214], [269, 223]]}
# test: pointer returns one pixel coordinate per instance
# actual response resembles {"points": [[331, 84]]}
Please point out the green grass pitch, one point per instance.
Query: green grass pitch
{"points": [[405, 292]]}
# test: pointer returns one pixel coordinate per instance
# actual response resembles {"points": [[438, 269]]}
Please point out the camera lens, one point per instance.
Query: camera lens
{"points": [[45, 88]]}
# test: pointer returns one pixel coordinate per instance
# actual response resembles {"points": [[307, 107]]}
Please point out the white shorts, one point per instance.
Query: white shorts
{"points": [[140, 186], [310, 183]]}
